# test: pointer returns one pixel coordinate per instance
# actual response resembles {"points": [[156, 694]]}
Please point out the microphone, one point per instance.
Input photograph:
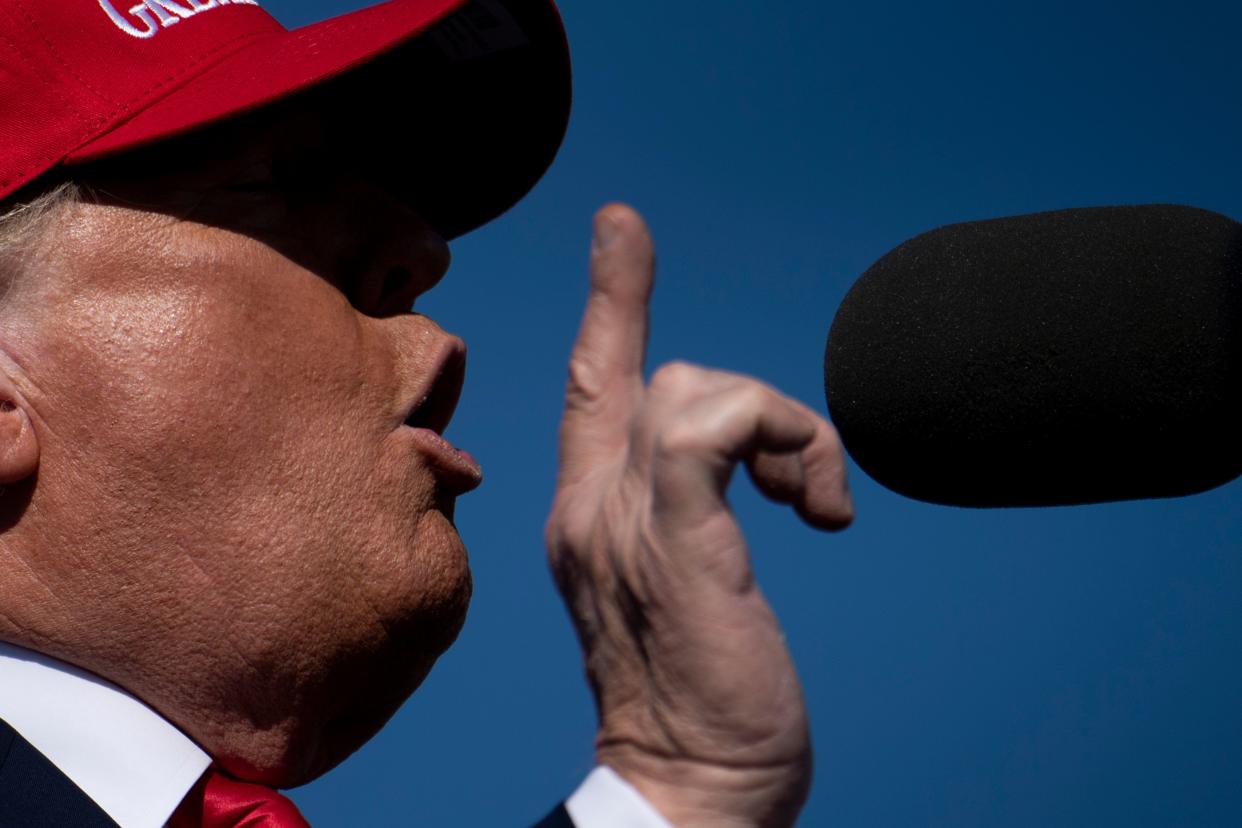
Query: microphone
{"points": [[1075, 356]]}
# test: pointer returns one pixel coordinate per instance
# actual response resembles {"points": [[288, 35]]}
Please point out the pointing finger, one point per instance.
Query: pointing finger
{"points": [[606, 364]]}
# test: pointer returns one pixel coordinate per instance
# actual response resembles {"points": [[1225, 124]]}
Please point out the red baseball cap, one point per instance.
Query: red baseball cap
{"points": [[459, 105]]}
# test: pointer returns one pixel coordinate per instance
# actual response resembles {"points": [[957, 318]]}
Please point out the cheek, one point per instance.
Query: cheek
{"points": [[222, 370], [187, 400], [256, 438]]}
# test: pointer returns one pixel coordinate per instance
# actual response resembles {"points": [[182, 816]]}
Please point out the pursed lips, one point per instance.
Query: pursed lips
{"points": [[455, 469]]}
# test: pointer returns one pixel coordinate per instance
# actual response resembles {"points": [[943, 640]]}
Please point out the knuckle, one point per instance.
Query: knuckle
{"points": [[745, 402], [832, 439], [553, 535], [562, 562], [558, 531], [826, 447], [586, 380], [677, 375], [754, 396]]}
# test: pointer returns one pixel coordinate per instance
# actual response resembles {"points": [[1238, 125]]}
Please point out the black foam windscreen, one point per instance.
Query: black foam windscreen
{"points": [[1075, 356]]}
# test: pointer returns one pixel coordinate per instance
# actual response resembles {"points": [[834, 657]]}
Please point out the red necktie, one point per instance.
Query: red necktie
{"points": [[219, 801]]}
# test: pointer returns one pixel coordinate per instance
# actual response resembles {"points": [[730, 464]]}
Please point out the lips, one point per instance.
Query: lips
{"points": [[438, 401], [456, 470]]}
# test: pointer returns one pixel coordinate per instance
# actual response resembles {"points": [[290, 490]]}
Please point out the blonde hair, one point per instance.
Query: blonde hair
{"points": [[21, 222]]}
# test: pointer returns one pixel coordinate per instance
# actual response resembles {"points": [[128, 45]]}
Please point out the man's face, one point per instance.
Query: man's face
{"points": [[221, 359]]}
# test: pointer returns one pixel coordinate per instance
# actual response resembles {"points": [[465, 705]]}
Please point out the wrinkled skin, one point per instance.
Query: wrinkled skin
{"points": [[214, 357], [699, 703], [211, 499]]}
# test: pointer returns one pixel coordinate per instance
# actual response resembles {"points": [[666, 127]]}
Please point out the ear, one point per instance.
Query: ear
{"points": [[19, 445]]}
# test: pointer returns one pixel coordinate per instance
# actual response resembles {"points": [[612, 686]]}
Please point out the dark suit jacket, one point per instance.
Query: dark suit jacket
{"points": [[35, 794]]}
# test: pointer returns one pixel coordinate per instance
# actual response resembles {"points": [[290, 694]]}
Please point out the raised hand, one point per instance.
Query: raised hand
{"points": [[699, 703]]}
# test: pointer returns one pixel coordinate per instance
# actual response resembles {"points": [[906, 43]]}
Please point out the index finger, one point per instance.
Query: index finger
{"points": [[606, 364]]}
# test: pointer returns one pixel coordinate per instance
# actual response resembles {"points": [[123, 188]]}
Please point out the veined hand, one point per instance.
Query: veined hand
{"points": [[699, 702]]}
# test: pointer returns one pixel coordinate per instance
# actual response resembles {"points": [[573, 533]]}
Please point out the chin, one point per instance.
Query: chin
{"points": [[315, 742], [364, 671], [372, 687]]}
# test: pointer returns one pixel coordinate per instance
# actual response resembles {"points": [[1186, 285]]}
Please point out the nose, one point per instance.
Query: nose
{"points": [[399, 255]]}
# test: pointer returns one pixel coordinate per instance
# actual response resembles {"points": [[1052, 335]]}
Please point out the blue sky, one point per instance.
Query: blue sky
{"points": [[1075, 666]]}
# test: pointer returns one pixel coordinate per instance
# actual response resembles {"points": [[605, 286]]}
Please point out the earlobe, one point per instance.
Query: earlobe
{"points": [[19, 445]]}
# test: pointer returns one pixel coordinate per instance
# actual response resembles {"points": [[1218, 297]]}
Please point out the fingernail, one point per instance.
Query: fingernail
{"points": [[605, 233]]}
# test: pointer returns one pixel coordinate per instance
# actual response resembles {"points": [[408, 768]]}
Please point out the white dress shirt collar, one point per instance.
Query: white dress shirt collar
{"points": [[121, 753], [605, 800]]}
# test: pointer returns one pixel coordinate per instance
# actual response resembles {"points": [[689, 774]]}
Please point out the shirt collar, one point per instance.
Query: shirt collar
{"points": [[135, 765]]}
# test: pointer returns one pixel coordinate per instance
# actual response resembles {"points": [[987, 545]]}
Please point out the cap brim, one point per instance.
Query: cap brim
{"points": [[459, 111]]}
